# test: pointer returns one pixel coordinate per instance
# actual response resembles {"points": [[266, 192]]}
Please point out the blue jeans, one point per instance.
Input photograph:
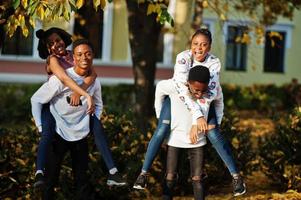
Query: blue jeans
{"points": [[163, 130], [220, 143], [48, 131], [47, 135], [100, 140]]}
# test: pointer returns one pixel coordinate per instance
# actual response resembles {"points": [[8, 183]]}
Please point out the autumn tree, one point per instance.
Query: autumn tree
{"points": [[145, 20]]}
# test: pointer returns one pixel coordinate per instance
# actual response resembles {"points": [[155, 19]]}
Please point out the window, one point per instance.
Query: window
{"points": [[236, 52], [89, 24], [274, 51], [18, 44]]}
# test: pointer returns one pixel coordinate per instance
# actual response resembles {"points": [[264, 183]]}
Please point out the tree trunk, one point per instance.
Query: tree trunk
{"points": [[143, 35], [197, 19]]}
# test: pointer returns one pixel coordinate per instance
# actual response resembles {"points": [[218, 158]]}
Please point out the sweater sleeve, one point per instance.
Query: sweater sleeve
{"points": [[43, 95], [163, 89], [181, 71]]}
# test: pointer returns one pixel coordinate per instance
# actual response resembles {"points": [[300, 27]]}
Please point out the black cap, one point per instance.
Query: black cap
{"points": [[43, 35]]}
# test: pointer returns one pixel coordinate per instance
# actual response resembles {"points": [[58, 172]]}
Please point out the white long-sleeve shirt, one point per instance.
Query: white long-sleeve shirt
{"points": [[72, 122], [181, 118], [182, 66]]}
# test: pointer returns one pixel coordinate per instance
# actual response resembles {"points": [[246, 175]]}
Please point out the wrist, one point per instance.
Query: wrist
{"points": [[88, 95]]}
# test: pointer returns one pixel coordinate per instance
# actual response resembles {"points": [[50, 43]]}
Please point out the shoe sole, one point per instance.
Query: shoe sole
{"points": [[114, 183], [138, 187], [241, 193]]}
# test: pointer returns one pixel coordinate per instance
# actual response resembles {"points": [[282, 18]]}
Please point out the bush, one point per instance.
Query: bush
{"points": [[15, 103], [281, 155], [18, 145], [264, 97]]}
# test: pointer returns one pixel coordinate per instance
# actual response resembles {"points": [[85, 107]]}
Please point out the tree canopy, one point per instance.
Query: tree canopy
{"points": [[24, 13]]}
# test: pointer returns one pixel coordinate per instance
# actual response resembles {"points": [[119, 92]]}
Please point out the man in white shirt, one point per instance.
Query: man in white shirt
{"points": [[72, 123]]}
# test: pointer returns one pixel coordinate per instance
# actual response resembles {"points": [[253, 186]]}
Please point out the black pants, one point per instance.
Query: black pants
{"points": [[79, 155], [195, 156]]}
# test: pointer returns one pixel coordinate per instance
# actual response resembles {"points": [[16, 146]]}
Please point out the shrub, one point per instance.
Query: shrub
{"points": [[264, 97], [281, 155]]}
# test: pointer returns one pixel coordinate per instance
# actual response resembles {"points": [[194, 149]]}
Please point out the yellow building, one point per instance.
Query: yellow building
{"points": [[108, 31]]}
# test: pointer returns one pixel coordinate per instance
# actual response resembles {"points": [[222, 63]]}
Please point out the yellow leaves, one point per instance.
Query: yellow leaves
{"points": [[235, 143], [162, 14], [153, 8], [259, 40], [92, 158], [102, 4], [20, 161], [24, 3], [222, 17], [259, 30], [274, 34], [244, 39], [97, 3], [205, 4], [79, 3], [32, 22], [40, 12], [21, 19]]}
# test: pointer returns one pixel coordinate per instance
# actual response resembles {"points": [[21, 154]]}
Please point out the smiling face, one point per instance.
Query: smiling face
{"points": [[200, 46], [197, 89], [56, 45], [83, 58]]}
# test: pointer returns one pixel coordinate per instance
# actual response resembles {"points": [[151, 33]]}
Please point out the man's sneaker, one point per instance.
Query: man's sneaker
{"points": [[39, 181], [141, 182], [239, 187], [115, 179]]}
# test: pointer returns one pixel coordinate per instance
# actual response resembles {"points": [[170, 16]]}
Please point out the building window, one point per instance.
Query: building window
{"points": [[274, 51], [18, 45], [89, 24], [236, 52]]}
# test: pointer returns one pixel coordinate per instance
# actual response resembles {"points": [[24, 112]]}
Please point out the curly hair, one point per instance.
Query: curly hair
{"points": [[43, 36]]}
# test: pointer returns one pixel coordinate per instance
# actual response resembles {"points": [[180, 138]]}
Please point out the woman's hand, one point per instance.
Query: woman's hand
{"points": [[91, 105], [75, 99], [193, 135], [202, 125]]}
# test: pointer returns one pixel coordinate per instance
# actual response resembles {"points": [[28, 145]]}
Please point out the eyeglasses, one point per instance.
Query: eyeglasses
{"points": [[196, 91]]}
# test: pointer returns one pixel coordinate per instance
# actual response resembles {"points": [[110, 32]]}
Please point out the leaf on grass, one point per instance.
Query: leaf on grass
{"points": [[12, 179], [20, 161]]}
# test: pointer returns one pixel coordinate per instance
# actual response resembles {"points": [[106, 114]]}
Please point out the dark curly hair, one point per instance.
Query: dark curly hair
{"points": [[43, 35]]}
